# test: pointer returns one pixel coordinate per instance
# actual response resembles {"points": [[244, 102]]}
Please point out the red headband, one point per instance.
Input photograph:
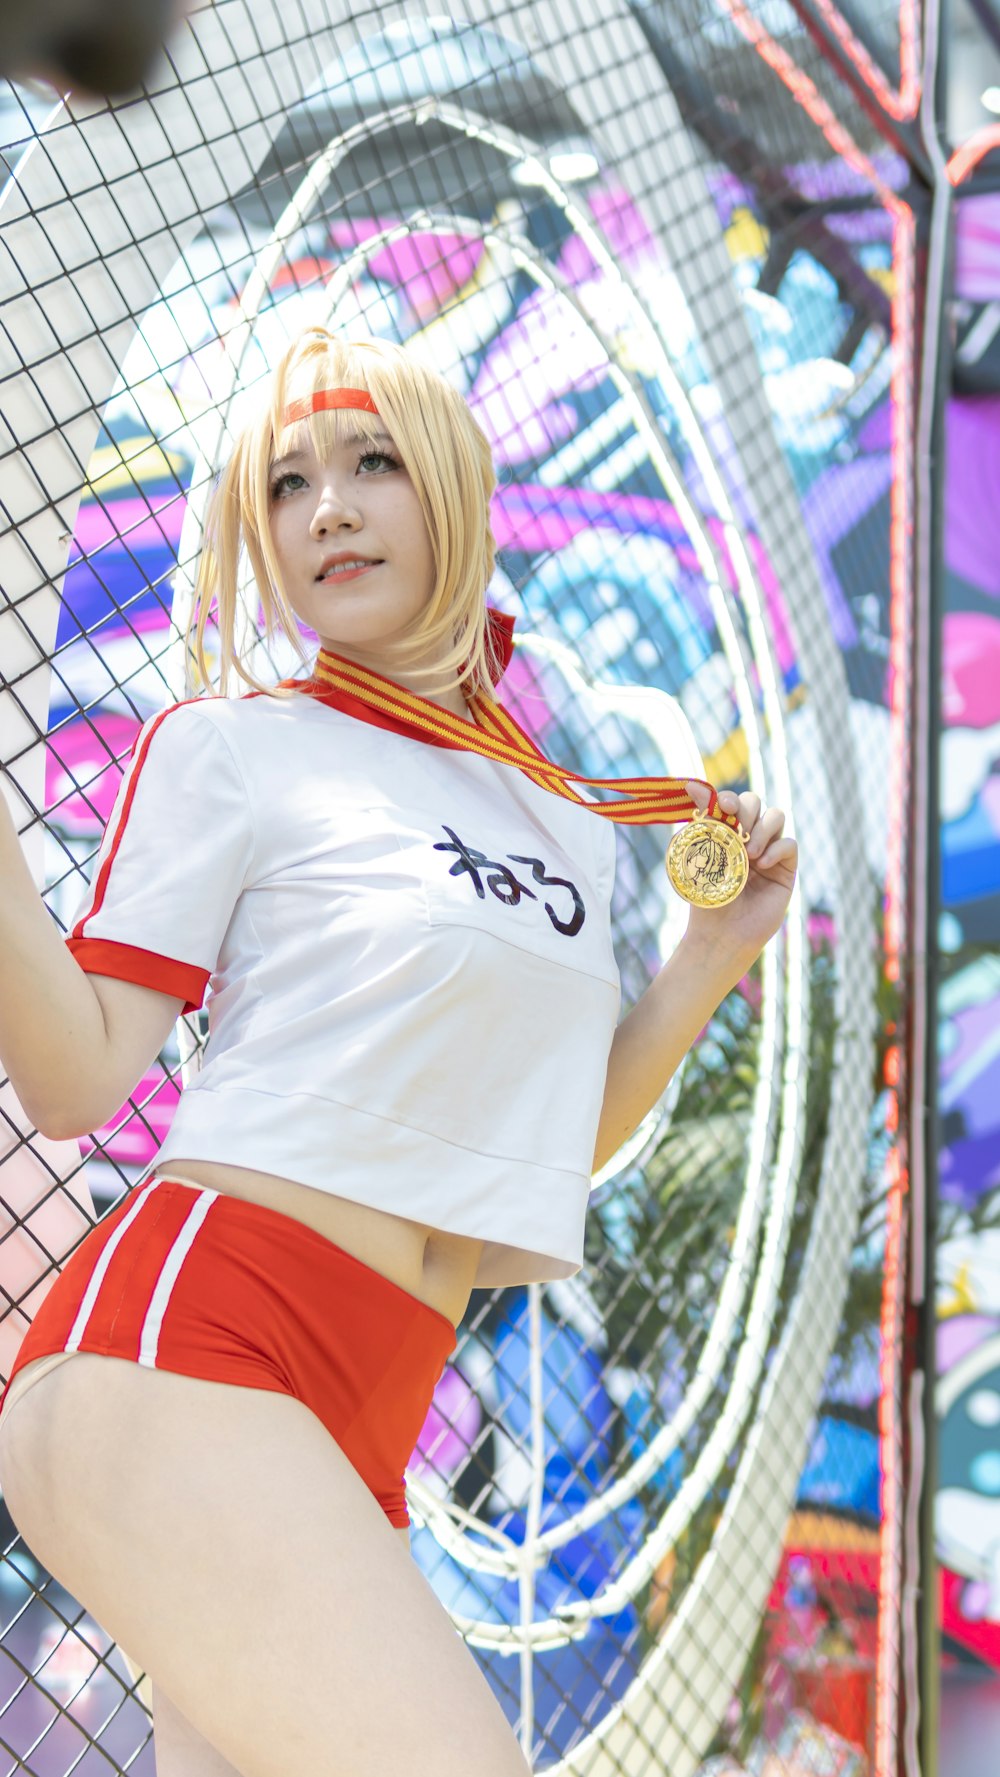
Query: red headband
{"points": [[323, 400], [499, 625]]}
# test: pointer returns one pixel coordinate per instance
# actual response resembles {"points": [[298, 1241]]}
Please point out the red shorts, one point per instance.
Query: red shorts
{"points": [[179, 1278]]}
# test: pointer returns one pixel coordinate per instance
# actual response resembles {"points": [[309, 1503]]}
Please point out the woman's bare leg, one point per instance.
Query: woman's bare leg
{"points": [[180, 1750], [221, 1535]]}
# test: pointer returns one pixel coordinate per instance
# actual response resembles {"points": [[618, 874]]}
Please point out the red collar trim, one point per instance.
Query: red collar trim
{"points": [[500, 628]]}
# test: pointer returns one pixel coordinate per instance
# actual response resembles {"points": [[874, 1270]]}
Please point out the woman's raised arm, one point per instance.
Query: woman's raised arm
{"points": [[719, 946], [73, 1044]]}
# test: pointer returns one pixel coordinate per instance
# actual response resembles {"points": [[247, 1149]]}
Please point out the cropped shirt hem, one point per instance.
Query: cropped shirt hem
{"points": [[234, 1126]]}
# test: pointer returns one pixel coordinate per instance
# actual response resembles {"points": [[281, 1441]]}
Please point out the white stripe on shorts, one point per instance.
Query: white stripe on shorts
{"points": [[158, 1305], [168, 1277], [93, 1288]]}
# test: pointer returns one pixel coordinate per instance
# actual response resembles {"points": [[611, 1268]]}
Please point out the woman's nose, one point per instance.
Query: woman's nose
{"points": [[334, 511]]}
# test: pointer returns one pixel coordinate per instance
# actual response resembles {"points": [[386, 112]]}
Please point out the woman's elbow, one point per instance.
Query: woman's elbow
{"points": [[62, 1118]]}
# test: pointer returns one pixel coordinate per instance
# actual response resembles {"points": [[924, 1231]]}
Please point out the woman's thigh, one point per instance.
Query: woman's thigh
{"points": [[28, 1376], [220, 1534], [180, 1750]]}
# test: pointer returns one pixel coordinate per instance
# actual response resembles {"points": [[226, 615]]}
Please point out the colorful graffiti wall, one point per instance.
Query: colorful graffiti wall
{"points": [[968, 1265]]}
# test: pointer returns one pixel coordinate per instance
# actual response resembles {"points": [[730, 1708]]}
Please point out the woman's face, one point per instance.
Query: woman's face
{"points": [[351, 542]]}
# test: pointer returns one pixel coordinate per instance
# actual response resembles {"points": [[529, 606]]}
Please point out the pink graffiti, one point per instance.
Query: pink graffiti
{"points": [[971, 669], [450, 1429], [428, 269], [134, 1137], [977, 247], [82, 777]]}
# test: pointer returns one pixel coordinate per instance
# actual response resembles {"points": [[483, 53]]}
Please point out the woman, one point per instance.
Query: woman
{"points": [[401, 920]]}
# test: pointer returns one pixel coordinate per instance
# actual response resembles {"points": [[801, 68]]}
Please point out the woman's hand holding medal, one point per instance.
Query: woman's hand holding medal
{"points": [[740, 925]]}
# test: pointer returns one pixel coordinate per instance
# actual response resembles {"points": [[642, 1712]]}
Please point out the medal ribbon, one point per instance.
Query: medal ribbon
{"points": [[496, 735], [358, 691]]}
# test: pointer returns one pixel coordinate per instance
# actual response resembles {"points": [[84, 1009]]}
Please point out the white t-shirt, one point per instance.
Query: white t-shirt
{"points": [[407, 953]]}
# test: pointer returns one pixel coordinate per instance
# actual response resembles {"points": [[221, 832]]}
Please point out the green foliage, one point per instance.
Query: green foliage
{"points": [[660, 1237]]}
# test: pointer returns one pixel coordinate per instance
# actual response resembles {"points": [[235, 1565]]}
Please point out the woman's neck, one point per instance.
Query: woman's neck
{"points": [[451, 698]]}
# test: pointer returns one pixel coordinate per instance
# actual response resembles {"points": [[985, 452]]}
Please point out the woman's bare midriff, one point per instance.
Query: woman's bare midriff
{"points": [[436, 1268]]}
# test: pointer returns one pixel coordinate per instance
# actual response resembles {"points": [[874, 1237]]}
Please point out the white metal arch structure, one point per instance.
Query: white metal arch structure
{"points": [[111, 192]]}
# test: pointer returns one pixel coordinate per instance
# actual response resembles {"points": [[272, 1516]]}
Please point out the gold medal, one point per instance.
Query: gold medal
{"points": [[707, 862]]}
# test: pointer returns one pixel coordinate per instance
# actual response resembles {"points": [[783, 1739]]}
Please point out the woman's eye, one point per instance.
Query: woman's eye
{"points": [[380, 458], [283, 484]]}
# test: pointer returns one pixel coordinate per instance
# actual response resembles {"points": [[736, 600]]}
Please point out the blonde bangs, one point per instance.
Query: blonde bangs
{"points": [[448, 460], [310, 368]]}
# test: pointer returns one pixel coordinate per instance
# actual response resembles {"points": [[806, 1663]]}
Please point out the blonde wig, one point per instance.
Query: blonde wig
{"points": [[448, 460]]}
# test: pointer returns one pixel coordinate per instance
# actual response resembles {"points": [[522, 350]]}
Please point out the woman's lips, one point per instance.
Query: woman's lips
{"points": [[337, 576]]}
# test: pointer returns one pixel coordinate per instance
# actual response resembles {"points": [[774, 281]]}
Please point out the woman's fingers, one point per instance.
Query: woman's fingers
{"points": [[769, 827], [746, 806], [765, 846], [781, 851]]}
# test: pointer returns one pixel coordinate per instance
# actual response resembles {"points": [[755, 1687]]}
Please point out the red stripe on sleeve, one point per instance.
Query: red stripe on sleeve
{"points": [[101, 885], [126, 962]]}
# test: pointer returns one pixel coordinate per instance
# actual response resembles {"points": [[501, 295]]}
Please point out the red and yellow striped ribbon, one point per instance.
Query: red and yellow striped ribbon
{"points": [[644, 800], [496, 735]]}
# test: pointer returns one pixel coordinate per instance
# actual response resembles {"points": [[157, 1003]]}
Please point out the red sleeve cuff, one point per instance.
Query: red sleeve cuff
{"points": [[126, 962]]}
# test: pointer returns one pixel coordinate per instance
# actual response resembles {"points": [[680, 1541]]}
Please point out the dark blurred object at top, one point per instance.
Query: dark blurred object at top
{"points": [[99, 46]]}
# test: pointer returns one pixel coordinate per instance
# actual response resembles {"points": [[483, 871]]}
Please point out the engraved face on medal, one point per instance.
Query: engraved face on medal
{"points": [[707, 862]]}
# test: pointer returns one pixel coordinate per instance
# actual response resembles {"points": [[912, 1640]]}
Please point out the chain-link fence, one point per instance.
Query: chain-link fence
{"points": [[668, 255]]}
